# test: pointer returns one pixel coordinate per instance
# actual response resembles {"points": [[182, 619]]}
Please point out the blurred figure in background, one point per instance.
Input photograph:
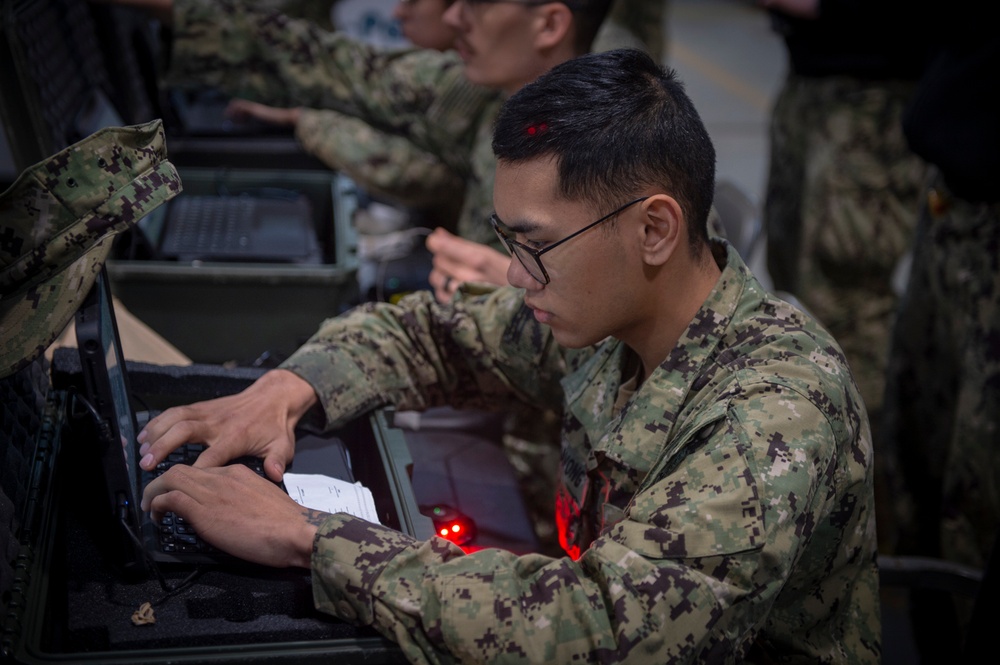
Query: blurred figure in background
{"points": [[843, 185], [422, 24], [942, 405], [383, 163]]}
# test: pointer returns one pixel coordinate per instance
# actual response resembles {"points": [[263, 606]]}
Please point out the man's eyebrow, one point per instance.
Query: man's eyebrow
{"points": [[521, 227]]}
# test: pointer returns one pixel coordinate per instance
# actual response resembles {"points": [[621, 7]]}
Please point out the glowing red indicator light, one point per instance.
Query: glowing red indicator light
{"points": [[451, 524]]}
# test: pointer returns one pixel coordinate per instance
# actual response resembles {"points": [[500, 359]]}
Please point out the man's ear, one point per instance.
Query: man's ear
{"points": [[555, 22], [662, 229]]}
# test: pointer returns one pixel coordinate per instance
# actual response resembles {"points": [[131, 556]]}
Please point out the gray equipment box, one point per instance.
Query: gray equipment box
{"points": [[215, 311]]}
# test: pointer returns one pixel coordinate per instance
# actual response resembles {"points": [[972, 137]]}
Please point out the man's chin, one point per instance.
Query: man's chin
{"points": [[568, 339]]}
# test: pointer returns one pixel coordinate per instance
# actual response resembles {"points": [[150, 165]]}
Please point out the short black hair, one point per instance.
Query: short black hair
{"points": [[616, 123]]}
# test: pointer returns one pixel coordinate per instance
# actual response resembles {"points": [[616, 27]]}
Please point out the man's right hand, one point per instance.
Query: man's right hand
{"points": [[260, 421]]}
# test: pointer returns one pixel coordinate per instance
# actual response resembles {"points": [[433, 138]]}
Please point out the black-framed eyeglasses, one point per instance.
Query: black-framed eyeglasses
{"points": [[531, 258]]}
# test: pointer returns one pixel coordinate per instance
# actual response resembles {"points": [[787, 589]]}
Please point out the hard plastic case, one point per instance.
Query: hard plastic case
{"points": [[64, 600]]}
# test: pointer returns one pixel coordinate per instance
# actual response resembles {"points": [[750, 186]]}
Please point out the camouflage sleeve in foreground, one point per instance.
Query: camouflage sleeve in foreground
{"points": [[479, 351], [696, 573], [280, 61], [382, 163]]}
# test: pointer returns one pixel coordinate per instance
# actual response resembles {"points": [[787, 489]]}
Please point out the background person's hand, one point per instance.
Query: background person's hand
{"points": [[260, 421], [237, 511], [457, 260], [242, 109]]}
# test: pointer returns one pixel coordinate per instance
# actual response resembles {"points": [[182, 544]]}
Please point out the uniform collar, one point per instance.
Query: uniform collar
{"points": [[659, 402]]}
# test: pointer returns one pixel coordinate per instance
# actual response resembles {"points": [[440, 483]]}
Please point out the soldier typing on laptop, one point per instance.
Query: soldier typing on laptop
{"points": [[715, 496]]}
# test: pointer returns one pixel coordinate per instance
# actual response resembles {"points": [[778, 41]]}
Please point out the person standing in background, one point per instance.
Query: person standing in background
{"points": [[942, 403], [843, 185]]}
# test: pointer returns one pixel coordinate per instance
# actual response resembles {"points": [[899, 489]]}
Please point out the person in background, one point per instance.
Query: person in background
{"points": [[422, 25], [715, 496], [384, 164], [942, 413], [402, 173], [842, 189]]}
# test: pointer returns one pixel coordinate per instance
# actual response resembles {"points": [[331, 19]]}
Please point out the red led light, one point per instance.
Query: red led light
{"points": [[451, 524]]}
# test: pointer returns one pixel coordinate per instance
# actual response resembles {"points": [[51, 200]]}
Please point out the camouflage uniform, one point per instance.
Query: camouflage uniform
{"points": [[59, 220], [722, 512], [384, 164], [840, 210], [417, 94]]}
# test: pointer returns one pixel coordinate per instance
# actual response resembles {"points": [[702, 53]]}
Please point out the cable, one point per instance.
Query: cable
{"points": [[170, 590]]}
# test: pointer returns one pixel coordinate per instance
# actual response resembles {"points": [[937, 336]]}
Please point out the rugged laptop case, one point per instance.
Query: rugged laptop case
{"points": [[62, 598]]}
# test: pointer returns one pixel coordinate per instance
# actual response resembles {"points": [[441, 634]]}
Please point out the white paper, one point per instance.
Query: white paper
{"points": [[331, 495]]}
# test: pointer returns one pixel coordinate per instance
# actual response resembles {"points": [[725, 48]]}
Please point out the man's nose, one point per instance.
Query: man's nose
{"points": [[519, 277]]}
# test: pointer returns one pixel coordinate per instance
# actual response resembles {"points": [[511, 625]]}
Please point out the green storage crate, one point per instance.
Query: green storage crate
{"points": [[234, 312]]}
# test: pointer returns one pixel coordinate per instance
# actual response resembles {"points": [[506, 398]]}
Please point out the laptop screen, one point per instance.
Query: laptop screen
{"points": [[108, 391], [119, 390]]}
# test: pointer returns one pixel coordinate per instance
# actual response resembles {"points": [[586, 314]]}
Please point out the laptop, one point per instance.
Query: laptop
{"points": [[146, 543], [270, 225]]}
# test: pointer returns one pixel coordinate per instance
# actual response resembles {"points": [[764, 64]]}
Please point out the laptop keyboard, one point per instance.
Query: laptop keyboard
{"points": [[175, 533], [212, 225]]}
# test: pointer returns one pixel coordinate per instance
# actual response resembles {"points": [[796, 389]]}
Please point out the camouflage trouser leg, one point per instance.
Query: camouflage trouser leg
{"points": [[943, 396], [840, 210], [942, 402]]}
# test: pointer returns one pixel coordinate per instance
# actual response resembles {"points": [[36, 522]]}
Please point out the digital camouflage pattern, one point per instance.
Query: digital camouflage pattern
{"points": [[722, 513], [59, 220], [840, 211], [384, 164], [943, 398], [419, 94]]}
